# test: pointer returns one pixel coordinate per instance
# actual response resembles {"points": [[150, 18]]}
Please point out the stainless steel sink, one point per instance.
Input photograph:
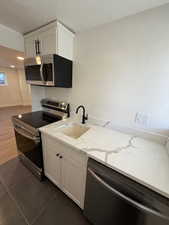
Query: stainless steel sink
{"points": [[75, 130]]}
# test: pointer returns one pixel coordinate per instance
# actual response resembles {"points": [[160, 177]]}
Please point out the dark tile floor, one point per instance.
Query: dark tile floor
{"points": [[25, 200]]}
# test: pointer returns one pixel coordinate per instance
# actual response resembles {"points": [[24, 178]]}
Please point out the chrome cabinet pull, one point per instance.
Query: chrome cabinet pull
{"points": [[127, 199]]}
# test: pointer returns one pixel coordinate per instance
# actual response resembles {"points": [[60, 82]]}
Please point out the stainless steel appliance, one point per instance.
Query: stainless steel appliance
{"points": [[28, 138], [53, 70], [112, 198]]}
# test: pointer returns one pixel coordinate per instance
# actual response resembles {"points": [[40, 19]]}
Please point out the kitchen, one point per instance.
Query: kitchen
{"points": [[98, 130]]}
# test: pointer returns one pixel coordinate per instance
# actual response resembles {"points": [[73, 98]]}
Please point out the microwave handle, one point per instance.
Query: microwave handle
{"points": [[41, 73]]}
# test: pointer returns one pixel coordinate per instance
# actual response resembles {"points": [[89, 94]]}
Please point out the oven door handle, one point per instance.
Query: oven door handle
{"points": [[26, 135], [126, 198]]}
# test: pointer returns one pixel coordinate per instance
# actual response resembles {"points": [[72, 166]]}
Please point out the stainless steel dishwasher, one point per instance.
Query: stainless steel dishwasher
{"points": [[113, 199]]}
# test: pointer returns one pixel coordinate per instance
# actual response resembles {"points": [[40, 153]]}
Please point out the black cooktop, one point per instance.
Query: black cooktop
{"points": [[37, 119]]}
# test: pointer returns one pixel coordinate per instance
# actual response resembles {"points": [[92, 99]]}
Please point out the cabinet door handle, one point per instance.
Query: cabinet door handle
{"points": [[36, 47], [61, 157], [57, 154]]}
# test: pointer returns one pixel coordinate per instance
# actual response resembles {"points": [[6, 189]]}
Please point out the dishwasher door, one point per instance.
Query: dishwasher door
{"points": [[108, 202]]}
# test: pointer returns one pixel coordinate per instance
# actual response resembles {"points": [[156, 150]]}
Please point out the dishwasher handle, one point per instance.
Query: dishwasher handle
{"points": [[126, 198]]}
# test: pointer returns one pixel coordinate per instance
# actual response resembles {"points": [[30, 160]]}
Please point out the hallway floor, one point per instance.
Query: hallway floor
{"points": [[24, 200], [8, 148]]}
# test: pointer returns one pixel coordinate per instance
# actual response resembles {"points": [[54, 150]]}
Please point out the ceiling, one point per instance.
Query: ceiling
{"points": [[8, 57], [79, 15]]}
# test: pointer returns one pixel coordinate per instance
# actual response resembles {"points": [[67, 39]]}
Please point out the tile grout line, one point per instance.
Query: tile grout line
{"points": [[41, 211], [13, 199]]}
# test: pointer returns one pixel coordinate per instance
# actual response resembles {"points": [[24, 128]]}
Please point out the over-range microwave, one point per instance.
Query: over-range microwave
{"points": [[53, 70]]}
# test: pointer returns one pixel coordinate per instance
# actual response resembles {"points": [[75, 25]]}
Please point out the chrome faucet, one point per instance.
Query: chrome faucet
{"points": [[84, 116]]}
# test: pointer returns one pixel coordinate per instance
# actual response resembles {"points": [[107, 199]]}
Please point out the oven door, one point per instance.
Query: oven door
{"points": [[30, 146]]}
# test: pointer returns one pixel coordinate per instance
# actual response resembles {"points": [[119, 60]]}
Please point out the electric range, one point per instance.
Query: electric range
{"points": [[28, 137]]}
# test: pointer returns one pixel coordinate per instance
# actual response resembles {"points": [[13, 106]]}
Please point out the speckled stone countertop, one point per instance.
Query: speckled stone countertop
{"points": [[142, 160]]}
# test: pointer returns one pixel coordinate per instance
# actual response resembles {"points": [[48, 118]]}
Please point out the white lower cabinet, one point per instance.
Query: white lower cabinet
{"points": [[52, 166], [65, 167], [73, 181]]}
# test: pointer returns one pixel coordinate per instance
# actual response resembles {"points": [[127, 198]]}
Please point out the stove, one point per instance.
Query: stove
{"points": [[28, 137]]}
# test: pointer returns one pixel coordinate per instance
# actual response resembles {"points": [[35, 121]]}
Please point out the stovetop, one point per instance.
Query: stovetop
{"points": [[37, 119]]}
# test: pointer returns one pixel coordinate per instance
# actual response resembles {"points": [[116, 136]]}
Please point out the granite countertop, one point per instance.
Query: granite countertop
{"points": [[142, 160]]}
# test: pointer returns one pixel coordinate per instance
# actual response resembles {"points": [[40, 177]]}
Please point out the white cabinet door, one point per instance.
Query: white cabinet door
{"points": [[73, 180], [48, 41], [52, 162], [30, 50], [65, 42], [52, 166]]}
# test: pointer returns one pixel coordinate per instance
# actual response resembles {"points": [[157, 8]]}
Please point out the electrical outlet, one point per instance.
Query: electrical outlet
{"points": [[141, 119]]}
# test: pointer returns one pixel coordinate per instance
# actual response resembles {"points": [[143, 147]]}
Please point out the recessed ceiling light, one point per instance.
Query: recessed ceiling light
{"points": [[20, 58], [12, 66]]}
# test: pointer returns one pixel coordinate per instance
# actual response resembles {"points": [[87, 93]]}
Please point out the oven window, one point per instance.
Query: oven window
{"points": [[31, 149]]}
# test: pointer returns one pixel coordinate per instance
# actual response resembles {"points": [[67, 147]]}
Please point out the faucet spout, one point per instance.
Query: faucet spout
{"points": [[84, 116]]}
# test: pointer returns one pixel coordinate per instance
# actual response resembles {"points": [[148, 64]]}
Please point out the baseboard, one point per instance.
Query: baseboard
{"points": [[27, 105], [13, 105]]}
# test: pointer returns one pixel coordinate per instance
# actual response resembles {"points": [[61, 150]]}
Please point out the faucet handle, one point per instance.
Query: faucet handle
{"points": [[86, 117]]}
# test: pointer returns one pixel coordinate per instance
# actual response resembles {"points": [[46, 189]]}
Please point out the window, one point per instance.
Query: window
{"points": [[3, 79]]}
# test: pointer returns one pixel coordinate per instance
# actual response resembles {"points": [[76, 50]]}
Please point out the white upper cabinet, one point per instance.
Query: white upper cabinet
{"points": [[48, 43], [30, 50], [51, 39], [65, 42]]}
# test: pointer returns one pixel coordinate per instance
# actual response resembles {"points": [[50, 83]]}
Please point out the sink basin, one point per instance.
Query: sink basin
{"points": [[75, 130]]}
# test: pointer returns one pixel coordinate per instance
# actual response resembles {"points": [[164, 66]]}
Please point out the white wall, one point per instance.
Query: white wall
{"points": [[10, 95], [25, 88], [11, 39], [16, 92], [38, 93], [123, 68]]}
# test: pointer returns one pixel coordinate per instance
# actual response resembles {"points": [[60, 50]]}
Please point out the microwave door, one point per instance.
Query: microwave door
{"points": [[33, 75], [47, 74]]}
